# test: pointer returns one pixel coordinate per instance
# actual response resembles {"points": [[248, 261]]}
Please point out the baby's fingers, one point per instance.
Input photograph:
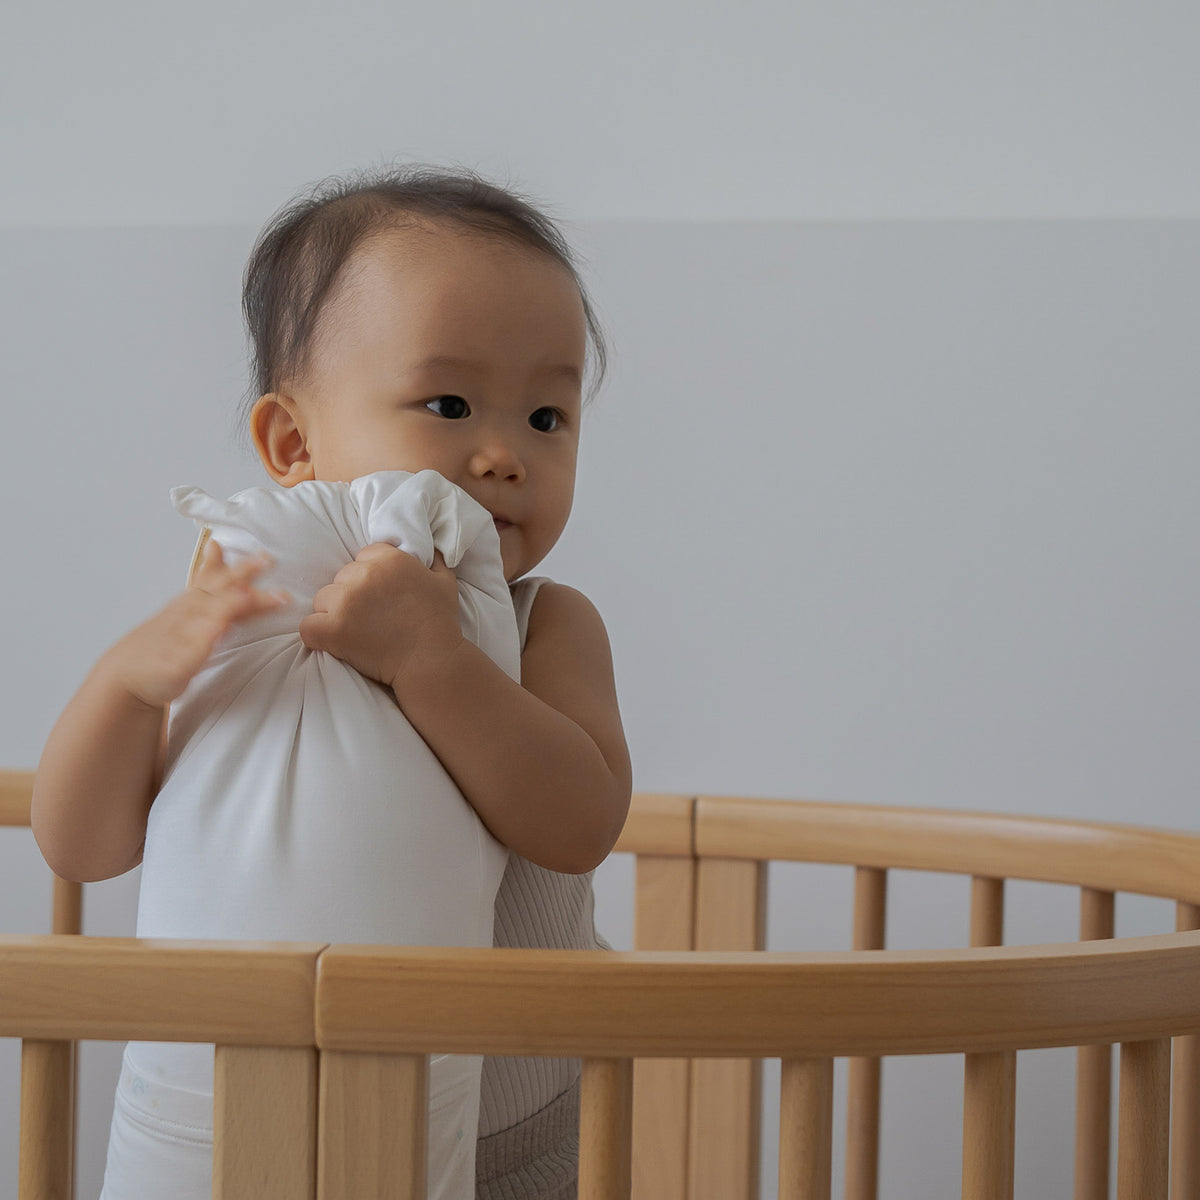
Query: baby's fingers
{"points": [[244, 573], [213, 575], [377, 551], [235, 602], [316, 631]]}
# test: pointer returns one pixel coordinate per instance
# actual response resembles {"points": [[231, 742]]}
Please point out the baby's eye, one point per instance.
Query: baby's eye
{"points": [[453, 408], [545, 420]]}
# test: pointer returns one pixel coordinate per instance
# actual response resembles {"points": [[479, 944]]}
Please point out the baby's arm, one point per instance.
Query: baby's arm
{"points": [[543, 762], [102, 763]]}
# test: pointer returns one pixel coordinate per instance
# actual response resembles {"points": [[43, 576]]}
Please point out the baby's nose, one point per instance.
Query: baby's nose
{"points": [[497, 458]]}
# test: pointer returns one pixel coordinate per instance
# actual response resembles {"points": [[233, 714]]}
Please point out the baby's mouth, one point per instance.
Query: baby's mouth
{"points": [[501, 524]]}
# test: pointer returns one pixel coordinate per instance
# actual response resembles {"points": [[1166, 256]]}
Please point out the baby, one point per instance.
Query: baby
{"points": [[402, 324]]}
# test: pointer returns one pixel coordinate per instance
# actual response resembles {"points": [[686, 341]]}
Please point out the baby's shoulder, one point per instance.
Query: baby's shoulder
{"points": [[558, 609]]}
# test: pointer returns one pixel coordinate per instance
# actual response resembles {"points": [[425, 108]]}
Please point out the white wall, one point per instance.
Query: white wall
{"points": [[876, 509], [134, 112]]}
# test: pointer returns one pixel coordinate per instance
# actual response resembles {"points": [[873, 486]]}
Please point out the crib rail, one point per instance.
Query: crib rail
{"points": [[834, 1004], [1108, 857], [735, 838], [697, 1023], [313, 1041]]}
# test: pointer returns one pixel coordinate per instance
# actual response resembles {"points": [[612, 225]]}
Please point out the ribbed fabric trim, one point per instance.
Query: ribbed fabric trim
{"points": [[524, 593], [537, 1158]]}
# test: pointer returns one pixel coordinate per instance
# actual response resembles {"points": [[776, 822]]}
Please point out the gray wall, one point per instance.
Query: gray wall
{"points": [[882, 509]]}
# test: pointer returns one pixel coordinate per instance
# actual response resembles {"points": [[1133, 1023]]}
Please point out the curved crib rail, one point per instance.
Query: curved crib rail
{"points": [[1091, 854], [725, 908], [311, 1039], [701, 869]]}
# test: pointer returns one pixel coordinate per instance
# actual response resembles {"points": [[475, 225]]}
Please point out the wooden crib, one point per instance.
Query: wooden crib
{"points": [[321, 1065]]}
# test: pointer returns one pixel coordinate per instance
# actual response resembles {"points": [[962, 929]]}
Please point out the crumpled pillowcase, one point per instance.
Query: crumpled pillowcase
{"points": [[298, 803]]}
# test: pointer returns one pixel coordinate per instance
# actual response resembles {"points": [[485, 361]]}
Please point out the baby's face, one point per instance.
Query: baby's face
{"points": [[459, 353]]}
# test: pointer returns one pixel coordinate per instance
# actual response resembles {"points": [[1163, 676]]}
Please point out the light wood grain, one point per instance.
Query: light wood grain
{"points": [[864, 1075], [1093, 1072], [1185, 1117], [16, 790], [373, 1121], [264, 1123], [1144, 1120], [658, 825], [804, 1005], [1110, 857], [664, 919], [62, 987], [987, 911], [864, 1078], [805, 1129], [377, 1011], [726, 1099], [989, 1126], [1185, 1092], [665, 903], [989, 1080], [605, 1129], [67, 906], [1093, 1107], [45, 1169]]}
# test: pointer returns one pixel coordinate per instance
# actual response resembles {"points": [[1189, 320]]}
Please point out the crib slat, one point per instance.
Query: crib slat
{"points": [[47, 1120], [1185, 1092], [726, 1105], [606, 1129], [1097, 914], [1093, 1104], [989, 1124], [863, 1091], [264, 1123], [863, 1081], [805, 1129], [1093, 1072], [68, 906], [372, 1136], [987, 911], [990, 1083], [1144, 1120], [664, 919], [16, 792]]}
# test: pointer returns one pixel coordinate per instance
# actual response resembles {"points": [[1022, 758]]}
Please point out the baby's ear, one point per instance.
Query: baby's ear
{"points": [[278, 433]]}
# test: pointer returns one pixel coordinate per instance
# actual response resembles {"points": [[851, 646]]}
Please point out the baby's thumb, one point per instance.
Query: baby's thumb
{"points": [[208, 558], [312, 630]]}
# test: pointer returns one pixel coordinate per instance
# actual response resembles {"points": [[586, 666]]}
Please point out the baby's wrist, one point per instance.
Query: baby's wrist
{"points": [[114, 678], [425, 665]]}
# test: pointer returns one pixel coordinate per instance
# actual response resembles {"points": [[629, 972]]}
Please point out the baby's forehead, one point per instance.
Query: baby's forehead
{"points": [[423, 279], [447, 255], [463, 267]]}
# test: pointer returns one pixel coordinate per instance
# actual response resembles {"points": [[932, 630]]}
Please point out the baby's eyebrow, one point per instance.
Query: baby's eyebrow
{"points": [[551, 370]]}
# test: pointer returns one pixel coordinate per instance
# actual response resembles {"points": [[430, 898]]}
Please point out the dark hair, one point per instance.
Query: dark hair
{"points": [[300, 255]]}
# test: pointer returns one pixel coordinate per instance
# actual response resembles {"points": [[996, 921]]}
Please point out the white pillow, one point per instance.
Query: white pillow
{"points": [[298, 802]]}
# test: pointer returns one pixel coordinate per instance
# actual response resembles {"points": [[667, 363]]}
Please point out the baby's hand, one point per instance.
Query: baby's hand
{"points": [[156, 662], [383, 608]]}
